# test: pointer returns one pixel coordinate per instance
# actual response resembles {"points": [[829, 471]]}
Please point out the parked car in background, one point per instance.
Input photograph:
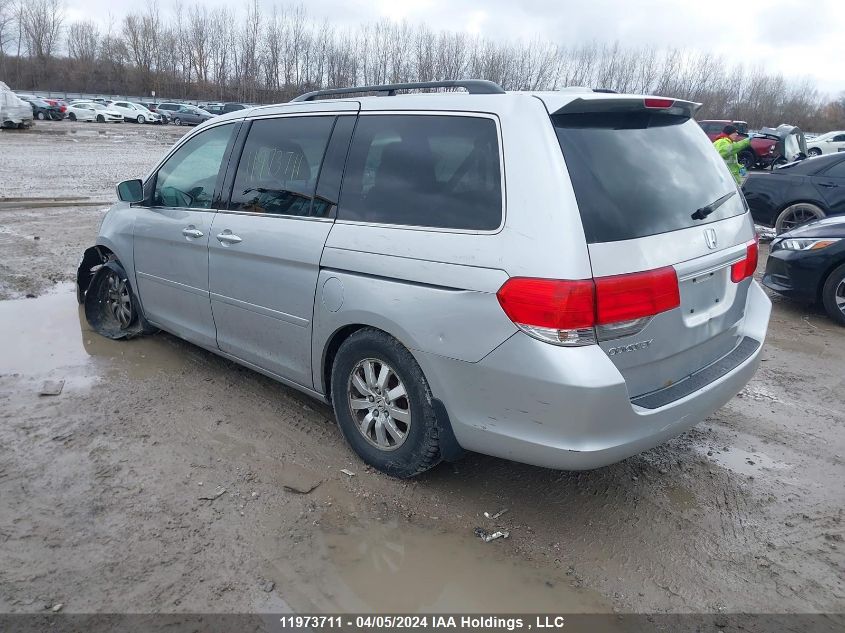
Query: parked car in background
{"points": [[168, 107], [14, 111], [41, 109], [798, 192], [59, 103], [135, 112], [93, 111], [714, 127], [223, 108], [829, 143], [189, 115], [808, 264], [212, 108], [611, 308], [761, 153]]}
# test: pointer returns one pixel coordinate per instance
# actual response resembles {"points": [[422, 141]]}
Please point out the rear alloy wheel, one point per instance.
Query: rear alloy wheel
{"points": [[833, 295], [177, 121], [382, 403], [796, 215], [814, 151]]}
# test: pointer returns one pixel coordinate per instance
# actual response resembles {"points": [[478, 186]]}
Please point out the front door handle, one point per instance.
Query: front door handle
{"points": [[227, 237], [190, 232]]}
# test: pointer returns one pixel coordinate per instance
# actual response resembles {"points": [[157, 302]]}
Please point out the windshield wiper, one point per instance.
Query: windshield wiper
{"points": [[703, 212]]}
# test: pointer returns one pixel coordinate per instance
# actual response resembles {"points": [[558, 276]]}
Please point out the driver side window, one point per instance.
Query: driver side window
{"points": [[188, 177]]}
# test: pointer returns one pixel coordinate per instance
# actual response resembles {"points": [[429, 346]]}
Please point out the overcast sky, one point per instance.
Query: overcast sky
{"points": [[796, 37]]}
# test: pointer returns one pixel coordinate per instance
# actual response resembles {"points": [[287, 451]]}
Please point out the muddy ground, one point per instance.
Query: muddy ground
{"points": [[166, 479]]}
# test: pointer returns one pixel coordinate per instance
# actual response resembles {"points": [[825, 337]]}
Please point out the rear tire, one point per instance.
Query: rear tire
{"points": [[833, 295], [177, 121], [797, 214], [387, 418]]}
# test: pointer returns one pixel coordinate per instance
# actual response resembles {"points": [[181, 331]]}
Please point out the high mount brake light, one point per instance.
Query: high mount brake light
{"points": [[566, 312], [661, 104]]}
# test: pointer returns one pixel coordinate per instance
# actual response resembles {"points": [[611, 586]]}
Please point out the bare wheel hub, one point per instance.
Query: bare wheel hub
{"points": [[118, 300]]}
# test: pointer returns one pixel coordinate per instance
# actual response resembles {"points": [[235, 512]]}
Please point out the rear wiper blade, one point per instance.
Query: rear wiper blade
{"points": [[703, 212]]}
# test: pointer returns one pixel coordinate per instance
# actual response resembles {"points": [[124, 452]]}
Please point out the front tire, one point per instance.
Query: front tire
{"points": [[833, 295], [111, 306], [814, 151], [382, 403], [747, 160], [101, 118], [41, 116], [140, 119], [797, 214], [71, 116]]}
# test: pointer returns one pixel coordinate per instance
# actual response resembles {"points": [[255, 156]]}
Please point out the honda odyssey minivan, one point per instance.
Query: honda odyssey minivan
{"points": [[558, 278]]}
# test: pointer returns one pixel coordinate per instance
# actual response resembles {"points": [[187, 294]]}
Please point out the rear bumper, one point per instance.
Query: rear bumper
{"points": [[569, 408]]}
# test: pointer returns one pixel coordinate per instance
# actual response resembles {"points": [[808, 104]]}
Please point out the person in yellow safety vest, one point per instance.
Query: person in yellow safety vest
{"points": [[729, 144]]}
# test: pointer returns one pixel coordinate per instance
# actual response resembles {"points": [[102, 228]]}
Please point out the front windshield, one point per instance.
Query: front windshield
{"points": [[140, 107]]}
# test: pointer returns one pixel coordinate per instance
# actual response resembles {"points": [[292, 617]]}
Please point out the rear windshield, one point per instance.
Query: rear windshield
{"points": [[642, 173]]}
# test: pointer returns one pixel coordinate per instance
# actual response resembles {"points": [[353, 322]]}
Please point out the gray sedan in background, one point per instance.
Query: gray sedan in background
{"points": [[188, 115]]}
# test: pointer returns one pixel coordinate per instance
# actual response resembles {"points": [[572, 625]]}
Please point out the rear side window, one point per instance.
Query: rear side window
{"points": [[642, 173], [424, 170], [279, 165]]}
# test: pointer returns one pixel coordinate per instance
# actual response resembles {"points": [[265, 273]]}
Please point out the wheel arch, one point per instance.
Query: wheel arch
{"points": [[839, 261], [450, 449], [803, 200], [91, 257]]}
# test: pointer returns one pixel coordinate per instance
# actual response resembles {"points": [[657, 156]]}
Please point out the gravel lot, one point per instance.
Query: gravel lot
{"points": [[166, 479]]}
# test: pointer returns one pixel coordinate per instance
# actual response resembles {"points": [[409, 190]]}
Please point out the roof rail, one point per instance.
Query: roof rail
{"points": [[472, 86], [607, 90]]}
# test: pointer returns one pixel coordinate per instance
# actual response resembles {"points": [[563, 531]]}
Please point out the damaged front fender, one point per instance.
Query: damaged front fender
{"points": [[92, 259]]}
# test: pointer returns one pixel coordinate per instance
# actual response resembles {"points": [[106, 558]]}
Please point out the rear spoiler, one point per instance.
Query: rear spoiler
{"points": [[631, 104]]}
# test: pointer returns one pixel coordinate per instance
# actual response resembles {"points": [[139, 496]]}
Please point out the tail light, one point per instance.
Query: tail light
{"points": [[580, 312], [746, 267]]}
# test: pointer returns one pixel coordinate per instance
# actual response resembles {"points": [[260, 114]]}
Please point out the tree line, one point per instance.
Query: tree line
{"points": [[260, 56]]}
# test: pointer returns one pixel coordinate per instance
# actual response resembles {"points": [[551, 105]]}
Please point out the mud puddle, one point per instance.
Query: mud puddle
{"points": [[48, 337], [392, 566], [742, 461]]}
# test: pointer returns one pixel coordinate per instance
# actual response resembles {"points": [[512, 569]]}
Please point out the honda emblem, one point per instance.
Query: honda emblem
{"points": [[711, 239]]}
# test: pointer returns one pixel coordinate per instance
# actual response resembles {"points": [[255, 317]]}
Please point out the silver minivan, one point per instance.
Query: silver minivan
{"points": [[558, 278]]}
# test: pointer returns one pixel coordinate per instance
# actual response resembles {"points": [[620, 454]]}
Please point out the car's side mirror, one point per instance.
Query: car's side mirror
{"points": [[131, 190]]}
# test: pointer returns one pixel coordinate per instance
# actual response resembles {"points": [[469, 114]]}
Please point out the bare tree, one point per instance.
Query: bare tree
{"points": [[83, 41], [41, 22], [7, 18]]}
